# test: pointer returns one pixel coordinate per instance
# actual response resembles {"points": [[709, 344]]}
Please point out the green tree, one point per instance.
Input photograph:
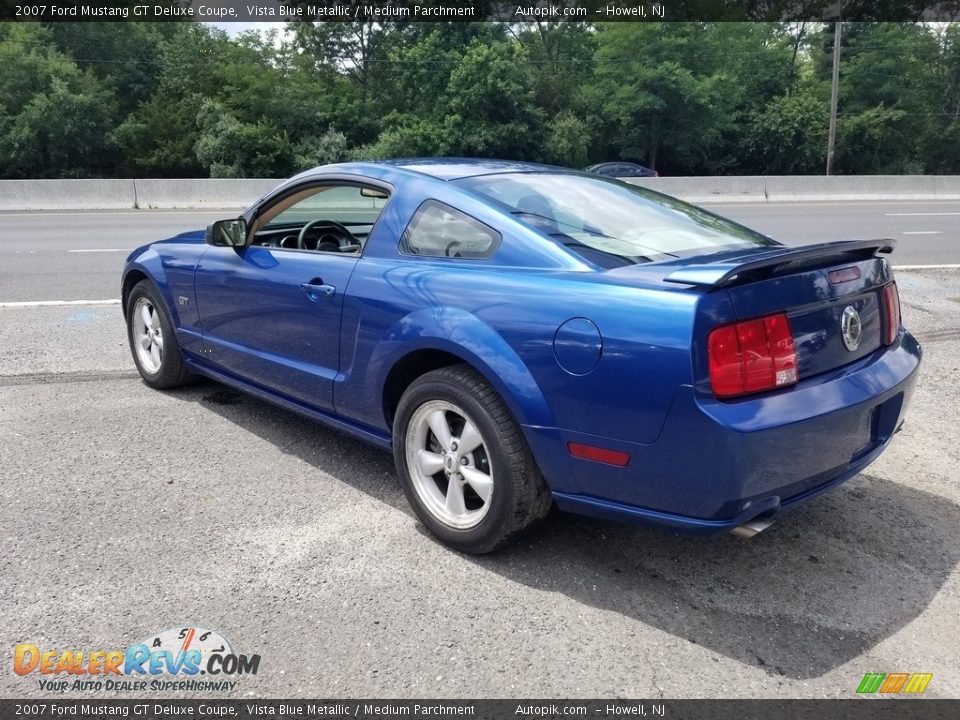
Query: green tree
{"points": [[753, 68], [55, 119], [159, 138], [887, 86], [941, 146], [490, 108], [561, 59], [185, 99], [229, 148], [568, 140], [789, 137], [354, 54], [653, 100], [486, 107], [126, 57], [329, 147]]}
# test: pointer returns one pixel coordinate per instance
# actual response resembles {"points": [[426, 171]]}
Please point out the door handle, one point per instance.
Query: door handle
{"points": [[317, 289]]}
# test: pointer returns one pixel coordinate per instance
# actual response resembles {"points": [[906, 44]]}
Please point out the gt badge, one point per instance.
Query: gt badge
{"points": [[850, 328]]}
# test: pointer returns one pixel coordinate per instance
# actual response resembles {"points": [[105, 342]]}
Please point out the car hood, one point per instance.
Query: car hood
{"points": [[191, 237]]}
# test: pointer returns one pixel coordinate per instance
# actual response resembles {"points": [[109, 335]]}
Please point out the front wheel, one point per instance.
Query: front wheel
{"points": [[152, 339], [464, 464]]}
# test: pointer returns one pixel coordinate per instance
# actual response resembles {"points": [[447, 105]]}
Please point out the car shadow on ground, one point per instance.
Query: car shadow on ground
{"points": [[824, 584]]}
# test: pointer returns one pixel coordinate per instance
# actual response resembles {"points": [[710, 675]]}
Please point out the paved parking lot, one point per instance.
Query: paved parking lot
{"points": [[125, 511]]}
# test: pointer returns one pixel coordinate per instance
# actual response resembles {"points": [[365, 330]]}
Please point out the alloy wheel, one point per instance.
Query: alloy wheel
{"points": [[449, 464], [147, 335]]}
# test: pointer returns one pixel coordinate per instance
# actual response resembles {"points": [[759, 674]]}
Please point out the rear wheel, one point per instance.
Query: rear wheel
{"points": [[463, 462], [152, 339]]}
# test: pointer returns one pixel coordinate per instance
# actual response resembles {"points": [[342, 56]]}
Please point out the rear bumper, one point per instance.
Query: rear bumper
{"points": [[718, 464]]}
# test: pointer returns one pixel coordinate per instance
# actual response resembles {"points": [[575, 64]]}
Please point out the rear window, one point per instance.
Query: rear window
{"points": [[611, 223]]}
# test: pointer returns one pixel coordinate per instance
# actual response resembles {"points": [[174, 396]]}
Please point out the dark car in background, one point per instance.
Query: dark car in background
{"points": [[621, 170]]}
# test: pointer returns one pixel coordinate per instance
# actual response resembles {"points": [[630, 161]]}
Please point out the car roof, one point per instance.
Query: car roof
{"points": [[439, 168], [456, 168], [615, 162]]}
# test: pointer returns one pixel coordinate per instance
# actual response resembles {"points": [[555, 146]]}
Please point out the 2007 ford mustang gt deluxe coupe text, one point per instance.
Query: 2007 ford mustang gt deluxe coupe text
{"points": [[521, 335]]}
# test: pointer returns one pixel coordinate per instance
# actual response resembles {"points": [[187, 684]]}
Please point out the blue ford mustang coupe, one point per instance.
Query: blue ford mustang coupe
{"points": [[521, 335]]}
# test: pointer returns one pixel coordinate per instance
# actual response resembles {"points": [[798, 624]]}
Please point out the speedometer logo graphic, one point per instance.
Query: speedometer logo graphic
{"points": [[180, 641]]}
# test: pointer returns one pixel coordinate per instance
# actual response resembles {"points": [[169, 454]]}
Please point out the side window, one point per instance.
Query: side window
{"points": [[438, 230], [325, 218], [346, 204]]}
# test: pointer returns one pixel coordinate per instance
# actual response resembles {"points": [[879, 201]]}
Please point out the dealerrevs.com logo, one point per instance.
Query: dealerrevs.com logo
{"points": [[187, 658]]}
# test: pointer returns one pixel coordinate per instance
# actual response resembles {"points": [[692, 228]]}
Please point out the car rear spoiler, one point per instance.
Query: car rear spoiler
{"points": [[771, 263]]}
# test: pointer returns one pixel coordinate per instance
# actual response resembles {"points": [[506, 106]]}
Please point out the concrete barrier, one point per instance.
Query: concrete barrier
{"points": [[947, 186], [732, 188], [839, 187], [200, 193], [806, 188], [66, 194], [221, 193]]}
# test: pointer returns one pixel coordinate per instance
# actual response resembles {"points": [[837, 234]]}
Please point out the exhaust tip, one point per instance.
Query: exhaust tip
{"points": [[752, 527]]}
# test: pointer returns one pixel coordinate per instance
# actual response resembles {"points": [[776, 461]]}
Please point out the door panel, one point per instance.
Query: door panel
{"points": [[272, 316]]}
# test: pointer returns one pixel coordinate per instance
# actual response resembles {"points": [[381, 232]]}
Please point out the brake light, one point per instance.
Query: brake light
{"points": [[752, 356], [891, 303]]}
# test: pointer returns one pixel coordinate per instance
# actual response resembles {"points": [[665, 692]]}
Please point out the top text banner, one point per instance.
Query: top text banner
{"points": [[403, 11]]}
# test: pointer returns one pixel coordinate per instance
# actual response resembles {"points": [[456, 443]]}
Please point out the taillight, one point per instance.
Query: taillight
{"points": [[752, 356], [891, 303]]}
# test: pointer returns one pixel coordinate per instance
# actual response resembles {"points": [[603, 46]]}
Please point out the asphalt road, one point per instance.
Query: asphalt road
{"points": [[78, 255], [125, 511], [927, 233]]}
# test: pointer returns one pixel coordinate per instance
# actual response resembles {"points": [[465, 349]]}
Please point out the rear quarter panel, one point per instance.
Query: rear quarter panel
{"points": [[502, 316], [504, 321]]}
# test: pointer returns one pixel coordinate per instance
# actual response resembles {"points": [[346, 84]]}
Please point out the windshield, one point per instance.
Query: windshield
{"points": [[609, 222]]}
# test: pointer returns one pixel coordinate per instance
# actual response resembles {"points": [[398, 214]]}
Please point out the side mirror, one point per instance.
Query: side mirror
{"points": [[231, 233]]}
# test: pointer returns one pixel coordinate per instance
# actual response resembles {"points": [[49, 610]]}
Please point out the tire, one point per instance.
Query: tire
{"points": [[481, 496], [153, 344]]}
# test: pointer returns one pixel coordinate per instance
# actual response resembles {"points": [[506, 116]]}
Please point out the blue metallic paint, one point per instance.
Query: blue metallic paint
{"points": [[578, 346], [637, 382]]}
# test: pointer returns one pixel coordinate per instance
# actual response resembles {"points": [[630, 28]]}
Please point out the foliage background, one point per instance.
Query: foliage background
{"points": [[187, 100]]}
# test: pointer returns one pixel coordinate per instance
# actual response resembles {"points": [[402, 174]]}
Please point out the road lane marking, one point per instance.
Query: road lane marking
{"points": [[927, 267], [96, 250], [921, 232], [57, 303], [926, 214]]}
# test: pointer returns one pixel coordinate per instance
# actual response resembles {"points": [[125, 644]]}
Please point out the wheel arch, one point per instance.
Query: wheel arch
{"points": [[406, 371], [463, 338], [130, 279], [148, 266]]}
